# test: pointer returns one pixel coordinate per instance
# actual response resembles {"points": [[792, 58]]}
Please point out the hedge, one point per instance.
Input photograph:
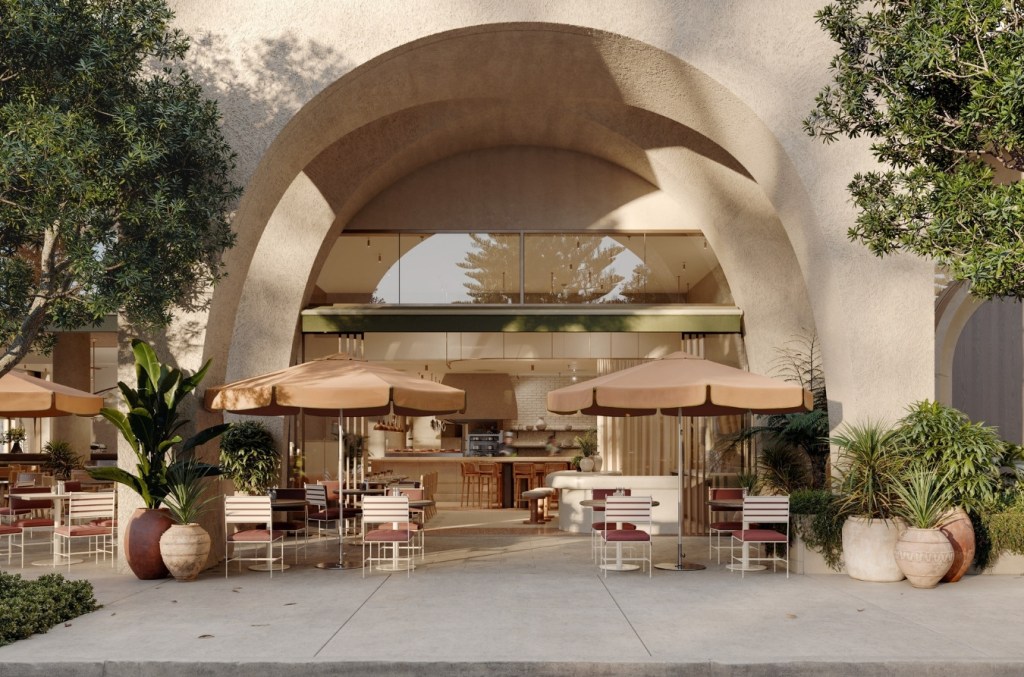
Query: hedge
{"points": [[30, 607]]}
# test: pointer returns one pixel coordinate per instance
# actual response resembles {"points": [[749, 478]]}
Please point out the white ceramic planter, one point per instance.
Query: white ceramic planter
{"points": [[184, 549], [869, 549], [924, 556]]}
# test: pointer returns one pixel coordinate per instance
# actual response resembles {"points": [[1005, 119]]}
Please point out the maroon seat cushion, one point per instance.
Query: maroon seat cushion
{"points": [[11, 511], [760, 536], [625, 535], [254, 536], [601, 526], [402, 526], [5, 530], [326, 515], [387, 536], [82, 530], [34, 522], [727, 526]]}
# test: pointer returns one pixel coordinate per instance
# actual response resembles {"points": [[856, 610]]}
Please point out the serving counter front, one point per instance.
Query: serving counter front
{"points": [[449, 472], [577, 486]]}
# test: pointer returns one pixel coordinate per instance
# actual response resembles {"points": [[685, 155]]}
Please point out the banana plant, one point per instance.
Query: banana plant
{"points": [[151, 427]]}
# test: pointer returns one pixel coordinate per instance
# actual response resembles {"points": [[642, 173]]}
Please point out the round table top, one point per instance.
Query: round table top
{"points": [[287, 503]]}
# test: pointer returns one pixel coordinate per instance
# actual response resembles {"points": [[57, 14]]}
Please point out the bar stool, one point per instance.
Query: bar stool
{"points": [[550, 467], [470, 484], [522, 473], [490, 484]]}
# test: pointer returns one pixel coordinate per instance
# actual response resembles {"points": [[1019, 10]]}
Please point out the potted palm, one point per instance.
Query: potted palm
{"points": [[185, 547], [249, 458], [923, 553], [60, 459], [14, 437], [868, 462], [587, 442], [151, 427]]}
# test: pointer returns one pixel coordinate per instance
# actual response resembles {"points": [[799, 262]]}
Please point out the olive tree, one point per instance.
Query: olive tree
{"points": [[938, 86], [115, 183]]}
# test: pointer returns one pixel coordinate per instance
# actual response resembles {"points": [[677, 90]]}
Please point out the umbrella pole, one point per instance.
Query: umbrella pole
{"points": [[341, 563], [679, 564]]}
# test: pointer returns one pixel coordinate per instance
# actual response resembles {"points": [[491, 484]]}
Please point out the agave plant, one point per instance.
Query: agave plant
{"points": [[151, 426], [923, 499], [186, 489], [869, 461]]}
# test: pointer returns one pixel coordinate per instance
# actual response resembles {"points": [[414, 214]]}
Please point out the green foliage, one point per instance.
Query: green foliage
{"points": [[249, 457], [868, 463], [936, 86], [114, 176], [966, 455], [31, 607], [186, 489], [12, 435], [60, 459], [151, 426], [818, 516], [783, 470], [587, 442], [749, 481], [923, 499]]}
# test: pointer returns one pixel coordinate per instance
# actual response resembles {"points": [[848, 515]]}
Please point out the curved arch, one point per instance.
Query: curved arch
{"points": [[601, 75], [953, 310]]}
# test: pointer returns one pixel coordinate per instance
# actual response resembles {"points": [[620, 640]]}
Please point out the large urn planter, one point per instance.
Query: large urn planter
{"points": [[869, 548], [957, 527], [924, 556], [184, 549], [142, 542]]}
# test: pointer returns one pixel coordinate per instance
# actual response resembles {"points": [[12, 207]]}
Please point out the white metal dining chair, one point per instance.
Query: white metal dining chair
{"points": [[635, 510], [83, 509], [761, 510], [251, 510], [387, 545]]}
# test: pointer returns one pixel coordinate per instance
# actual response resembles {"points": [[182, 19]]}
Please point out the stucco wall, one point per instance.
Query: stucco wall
{"points": [[298, 81]]}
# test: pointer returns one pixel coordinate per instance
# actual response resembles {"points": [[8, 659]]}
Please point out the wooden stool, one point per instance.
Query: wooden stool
{"points": [[470, 484], [535, 496], [490, 484], [522, 473]]}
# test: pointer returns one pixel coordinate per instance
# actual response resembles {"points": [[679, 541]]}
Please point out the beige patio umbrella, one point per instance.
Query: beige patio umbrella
{"points": [[25, 396], [337, 385], [684, 385]]}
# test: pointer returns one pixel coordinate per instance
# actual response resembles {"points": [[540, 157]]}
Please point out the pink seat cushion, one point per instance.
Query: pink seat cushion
{"points": [[387, 536], [5, 530], [82, 530], [601, 526], [760, 536], [402, 526], [104, 522], [11, 511], [727, 526], [34, 522], [254, 536], [326, 515], [625, 535]]}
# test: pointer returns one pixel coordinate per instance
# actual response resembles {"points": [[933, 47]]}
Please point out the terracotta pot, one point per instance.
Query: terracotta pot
{"points": [[957, 527], [142, 542], [184, 549], [923, 555], [869, 549]]}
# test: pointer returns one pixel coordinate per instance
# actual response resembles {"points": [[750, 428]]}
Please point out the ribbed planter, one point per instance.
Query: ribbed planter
{"points": [[957, 527], [184, 549], [869, 549], [924, 556], [142, 542]]}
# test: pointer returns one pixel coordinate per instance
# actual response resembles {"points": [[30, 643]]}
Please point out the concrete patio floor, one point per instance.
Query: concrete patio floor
{"points": [[492, 599]]}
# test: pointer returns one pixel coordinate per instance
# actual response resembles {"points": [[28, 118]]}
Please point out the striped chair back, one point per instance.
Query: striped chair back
{"points": [[316, 496], [384, 509], [765, 509], [248, 510], [602, 494], [627, 509], [89, 505]]}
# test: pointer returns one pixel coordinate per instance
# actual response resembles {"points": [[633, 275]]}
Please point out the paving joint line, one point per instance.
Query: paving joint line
{"points": [[351, 616]]}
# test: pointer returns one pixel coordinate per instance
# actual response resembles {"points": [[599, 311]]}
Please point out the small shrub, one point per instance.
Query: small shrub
{"points": [[31, 607], [818, 516], [249, 457]]}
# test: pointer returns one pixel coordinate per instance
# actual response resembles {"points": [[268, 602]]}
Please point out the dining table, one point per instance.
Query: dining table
{"points": [[619, 564]]}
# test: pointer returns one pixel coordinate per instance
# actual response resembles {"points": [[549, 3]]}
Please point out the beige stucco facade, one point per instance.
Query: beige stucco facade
{"points": [[572, 115]]}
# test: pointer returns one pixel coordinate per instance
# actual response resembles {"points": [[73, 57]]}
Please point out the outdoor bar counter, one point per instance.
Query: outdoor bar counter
{"points": [[449, 471], [577, 486]]}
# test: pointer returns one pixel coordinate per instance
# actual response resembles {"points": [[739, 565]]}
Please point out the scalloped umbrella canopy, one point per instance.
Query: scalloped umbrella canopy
{"points": [[680, 384], [336, 383], [25, 396]]}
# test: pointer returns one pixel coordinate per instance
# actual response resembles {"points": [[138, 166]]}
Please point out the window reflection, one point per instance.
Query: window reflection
{"points": [[512, 268]]}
